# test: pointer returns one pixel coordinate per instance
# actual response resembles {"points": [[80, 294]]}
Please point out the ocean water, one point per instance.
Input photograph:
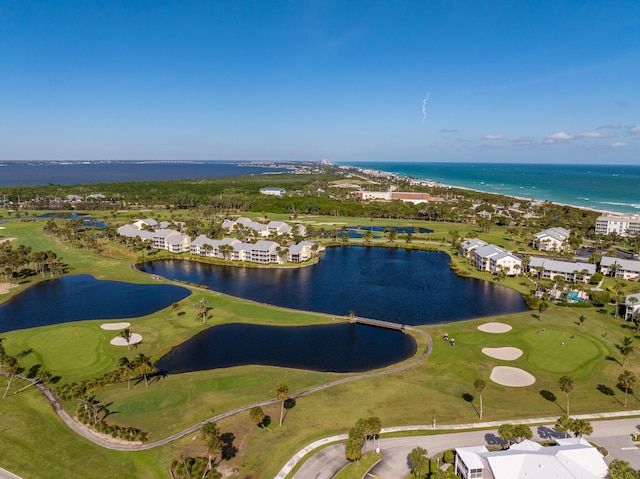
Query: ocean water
{"points": [[14, 173], [599, 187]]}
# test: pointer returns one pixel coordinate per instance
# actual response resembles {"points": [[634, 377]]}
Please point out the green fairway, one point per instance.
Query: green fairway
{"points": [[440, 388], [558, 351]]}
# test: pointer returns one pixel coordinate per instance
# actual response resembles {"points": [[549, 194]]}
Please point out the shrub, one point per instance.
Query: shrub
{"points": [[596, 278], [448, 456]]}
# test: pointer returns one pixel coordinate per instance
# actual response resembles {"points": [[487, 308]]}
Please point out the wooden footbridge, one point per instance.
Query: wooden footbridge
{"points": [[377, 322]]}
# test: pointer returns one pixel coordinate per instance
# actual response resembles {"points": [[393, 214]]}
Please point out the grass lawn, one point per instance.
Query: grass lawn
{"points": [[440, 388]]}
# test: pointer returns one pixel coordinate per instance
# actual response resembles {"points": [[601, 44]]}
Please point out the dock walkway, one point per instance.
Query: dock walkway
{"points": [[377, 322]]}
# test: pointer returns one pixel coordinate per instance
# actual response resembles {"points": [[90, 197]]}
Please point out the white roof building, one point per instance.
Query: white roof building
{"points": [[572, 458], [272, 228], [273, 191], [468, 245], [632, 305], [620, 268], [494, 259], [569, 270], [622, 225], [552, 239]]}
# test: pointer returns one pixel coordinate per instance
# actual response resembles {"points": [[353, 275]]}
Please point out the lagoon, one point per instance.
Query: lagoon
{"points": [[339, 348], [393, 284], [82, 297]]}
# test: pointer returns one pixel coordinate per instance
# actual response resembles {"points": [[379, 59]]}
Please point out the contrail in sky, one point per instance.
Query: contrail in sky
{"points": [[424, 107]]}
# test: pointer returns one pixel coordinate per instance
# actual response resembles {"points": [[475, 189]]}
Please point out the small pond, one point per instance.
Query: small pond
{"points": [[81, 297], [393, 284], [340, 348]]}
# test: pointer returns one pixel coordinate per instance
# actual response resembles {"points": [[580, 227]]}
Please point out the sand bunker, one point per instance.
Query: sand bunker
{"points": [[5, 287], [114, 326], [506, 354], [120, 341], [7, 239], [513, 377], [495, 328]]}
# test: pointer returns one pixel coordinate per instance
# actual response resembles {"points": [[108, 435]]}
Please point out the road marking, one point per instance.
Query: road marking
{"points": [[628, 448]]}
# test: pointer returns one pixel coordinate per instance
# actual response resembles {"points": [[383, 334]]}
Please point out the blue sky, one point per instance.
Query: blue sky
{"points": [[517, 81]]}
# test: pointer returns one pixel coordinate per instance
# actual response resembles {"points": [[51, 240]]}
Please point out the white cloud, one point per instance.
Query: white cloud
{"points": [[521, 139], [594, 134], [492, 137], [618, 144], [634, 129], [613, 125], [560, 136]]}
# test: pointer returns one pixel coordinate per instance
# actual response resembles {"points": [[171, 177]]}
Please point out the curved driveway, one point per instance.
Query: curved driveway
{"points": [[613, 434]]}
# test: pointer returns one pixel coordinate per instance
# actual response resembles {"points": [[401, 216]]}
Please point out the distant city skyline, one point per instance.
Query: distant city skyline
{"points": [[431, 81]]}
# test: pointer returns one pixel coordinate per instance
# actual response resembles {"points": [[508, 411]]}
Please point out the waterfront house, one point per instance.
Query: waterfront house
{"points": [[494, 259], [548, 268], [620, 268], [469, 245], [552, 239], [161, 238], [570, 458]]}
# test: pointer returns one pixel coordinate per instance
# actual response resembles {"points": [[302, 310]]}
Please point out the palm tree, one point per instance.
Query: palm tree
{"points": [[257, 416], [210, 433], [282, 393], [143, 364], [126, 366], [581, 427], [126, 334], [542, 306], [201, 307], [479, 386], [42, 376], [563, 424], [566, 386], [9, 366], [419, 461], [625, 348], [626, 381]]}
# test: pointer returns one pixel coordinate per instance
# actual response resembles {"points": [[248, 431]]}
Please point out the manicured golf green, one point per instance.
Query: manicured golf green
{"points": [[440, 388]]}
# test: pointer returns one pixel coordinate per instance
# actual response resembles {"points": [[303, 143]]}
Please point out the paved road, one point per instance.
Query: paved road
{"points": [[105, 441], [4, 474], [615, 435]]}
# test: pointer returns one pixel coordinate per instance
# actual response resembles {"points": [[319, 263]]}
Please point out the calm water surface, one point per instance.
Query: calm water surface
{"points": [[82, 297], [399, 285], [339, 348]]}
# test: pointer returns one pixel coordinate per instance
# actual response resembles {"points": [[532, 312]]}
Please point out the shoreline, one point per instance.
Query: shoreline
{"points": [[521, 198]]}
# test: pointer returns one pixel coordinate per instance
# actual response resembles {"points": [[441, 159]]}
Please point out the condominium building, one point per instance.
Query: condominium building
{"points": [[622, 225]]}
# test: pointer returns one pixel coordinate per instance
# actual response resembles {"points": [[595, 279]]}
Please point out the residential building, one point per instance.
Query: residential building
{"points": [[273, 191], [262, 251], [272, 228], [161, 238], [406, 196], [570, 458], [548, 268], [494, 259], [620, 268], [622, 225], [552, 239], [632, 305], [469, 245]]}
